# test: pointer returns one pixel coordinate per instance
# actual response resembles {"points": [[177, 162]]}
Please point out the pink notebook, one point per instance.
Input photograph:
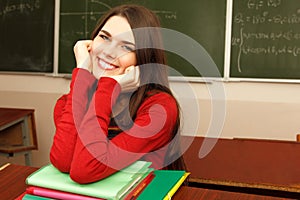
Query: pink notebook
{"points": [[44, 192]]}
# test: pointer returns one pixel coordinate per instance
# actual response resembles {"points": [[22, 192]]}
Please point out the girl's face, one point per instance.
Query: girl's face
{"points": [[113, 49]]}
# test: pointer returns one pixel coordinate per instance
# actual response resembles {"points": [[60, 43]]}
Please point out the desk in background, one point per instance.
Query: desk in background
{"points": [[17, 132], [269, 166], [12, 184]]}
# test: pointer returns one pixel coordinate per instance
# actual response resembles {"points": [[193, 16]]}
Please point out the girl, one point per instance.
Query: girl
{"points": [[119, 108]]}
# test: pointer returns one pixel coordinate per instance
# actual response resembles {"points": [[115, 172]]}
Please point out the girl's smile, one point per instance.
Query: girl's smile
{"points": [[105, 65]]}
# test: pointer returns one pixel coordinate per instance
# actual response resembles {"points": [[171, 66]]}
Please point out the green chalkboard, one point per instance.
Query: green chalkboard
{"points": [[26, 36], [265, 35], [266, 39], [203, 21]]}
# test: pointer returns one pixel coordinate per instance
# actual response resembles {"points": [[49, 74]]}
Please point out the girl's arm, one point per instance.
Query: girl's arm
{"points": [[96, 156], [68, 113]]}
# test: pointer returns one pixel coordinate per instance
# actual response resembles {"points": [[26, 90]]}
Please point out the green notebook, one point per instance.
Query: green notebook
{"points": [[112, 187], [164, 184]]}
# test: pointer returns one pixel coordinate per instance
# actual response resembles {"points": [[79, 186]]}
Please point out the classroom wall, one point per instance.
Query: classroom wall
{"points": [[253, 109]]}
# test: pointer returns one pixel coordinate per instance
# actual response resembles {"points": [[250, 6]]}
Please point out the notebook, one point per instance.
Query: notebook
{"points": [[164, 185], [115, 186]]}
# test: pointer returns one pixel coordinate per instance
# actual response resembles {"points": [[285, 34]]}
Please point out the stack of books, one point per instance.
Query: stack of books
{"points": [[135, 182]]}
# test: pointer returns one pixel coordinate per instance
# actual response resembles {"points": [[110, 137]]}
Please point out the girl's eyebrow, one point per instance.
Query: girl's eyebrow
{"points": [[106, 32], [123, 41]]}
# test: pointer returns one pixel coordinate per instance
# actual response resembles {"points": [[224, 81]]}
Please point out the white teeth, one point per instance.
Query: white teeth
{"points": [[105, 65]]}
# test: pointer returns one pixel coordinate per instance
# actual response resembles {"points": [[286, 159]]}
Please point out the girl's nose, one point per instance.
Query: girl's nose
{"points": [[110, 51]]}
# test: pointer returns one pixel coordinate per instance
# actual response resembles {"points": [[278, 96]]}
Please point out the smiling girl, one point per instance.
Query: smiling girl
{"points": [[119, 108]]}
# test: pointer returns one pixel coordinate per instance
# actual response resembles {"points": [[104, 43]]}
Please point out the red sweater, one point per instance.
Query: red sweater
{"points": [[80, 145]]}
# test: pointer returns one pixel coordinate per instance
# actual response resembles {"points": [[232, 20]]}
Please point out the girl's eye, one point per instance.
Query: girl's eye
{"points": [[104, 37], [128, 48]]}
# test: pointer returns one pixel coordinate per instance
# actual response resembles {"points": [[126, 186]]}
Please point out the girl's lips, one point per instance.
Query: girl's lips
{"points": [[105, 65]]}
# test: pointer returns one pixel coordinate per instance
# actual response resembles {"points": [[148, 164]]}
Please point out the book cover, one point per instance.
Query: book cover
{"points": [[34, 197], [112, 187], [138, 189], [56, 194], [164, 185]]}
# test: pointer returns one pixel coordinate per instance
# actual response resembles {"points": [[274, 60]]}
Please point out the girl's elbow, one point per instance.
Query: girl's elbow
{"points": [[88, 174], [80, 178], [60, 164], [85, 176]]}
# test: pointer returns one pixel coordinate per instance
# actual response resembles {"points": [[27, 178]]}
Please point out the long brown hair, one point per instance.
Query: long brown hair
{"points": [[154, 78]]}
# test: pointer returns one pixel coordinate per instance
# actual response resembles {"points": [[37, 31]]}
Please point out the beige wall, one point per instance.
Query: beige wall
{"points": [[40, 93], [253, 110]]}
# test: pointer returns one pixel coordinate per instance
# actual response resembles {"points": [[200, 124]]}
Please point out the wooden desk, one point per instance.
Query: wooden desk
{"points": [[12, 184], [17, 132], [12, 180], [246, 163], [194, 193]]}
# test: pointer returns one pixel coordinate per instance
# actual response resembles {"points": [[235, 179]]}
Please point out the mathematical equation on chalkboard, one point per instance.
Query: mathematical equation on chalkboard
{"points": [[78, 21], [93, 11], [25, 6], [265, 29]]}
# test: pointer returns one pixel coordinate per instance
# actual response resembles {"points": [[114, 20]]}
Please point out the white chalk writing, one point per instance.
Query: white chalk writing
{"points": [[263, 29], [21, 7]]}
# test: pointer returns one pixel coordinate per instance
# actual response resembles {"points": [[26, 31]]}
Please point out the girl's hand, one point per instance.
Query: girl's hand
{"points": [[130, 80], [82, 54]]}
